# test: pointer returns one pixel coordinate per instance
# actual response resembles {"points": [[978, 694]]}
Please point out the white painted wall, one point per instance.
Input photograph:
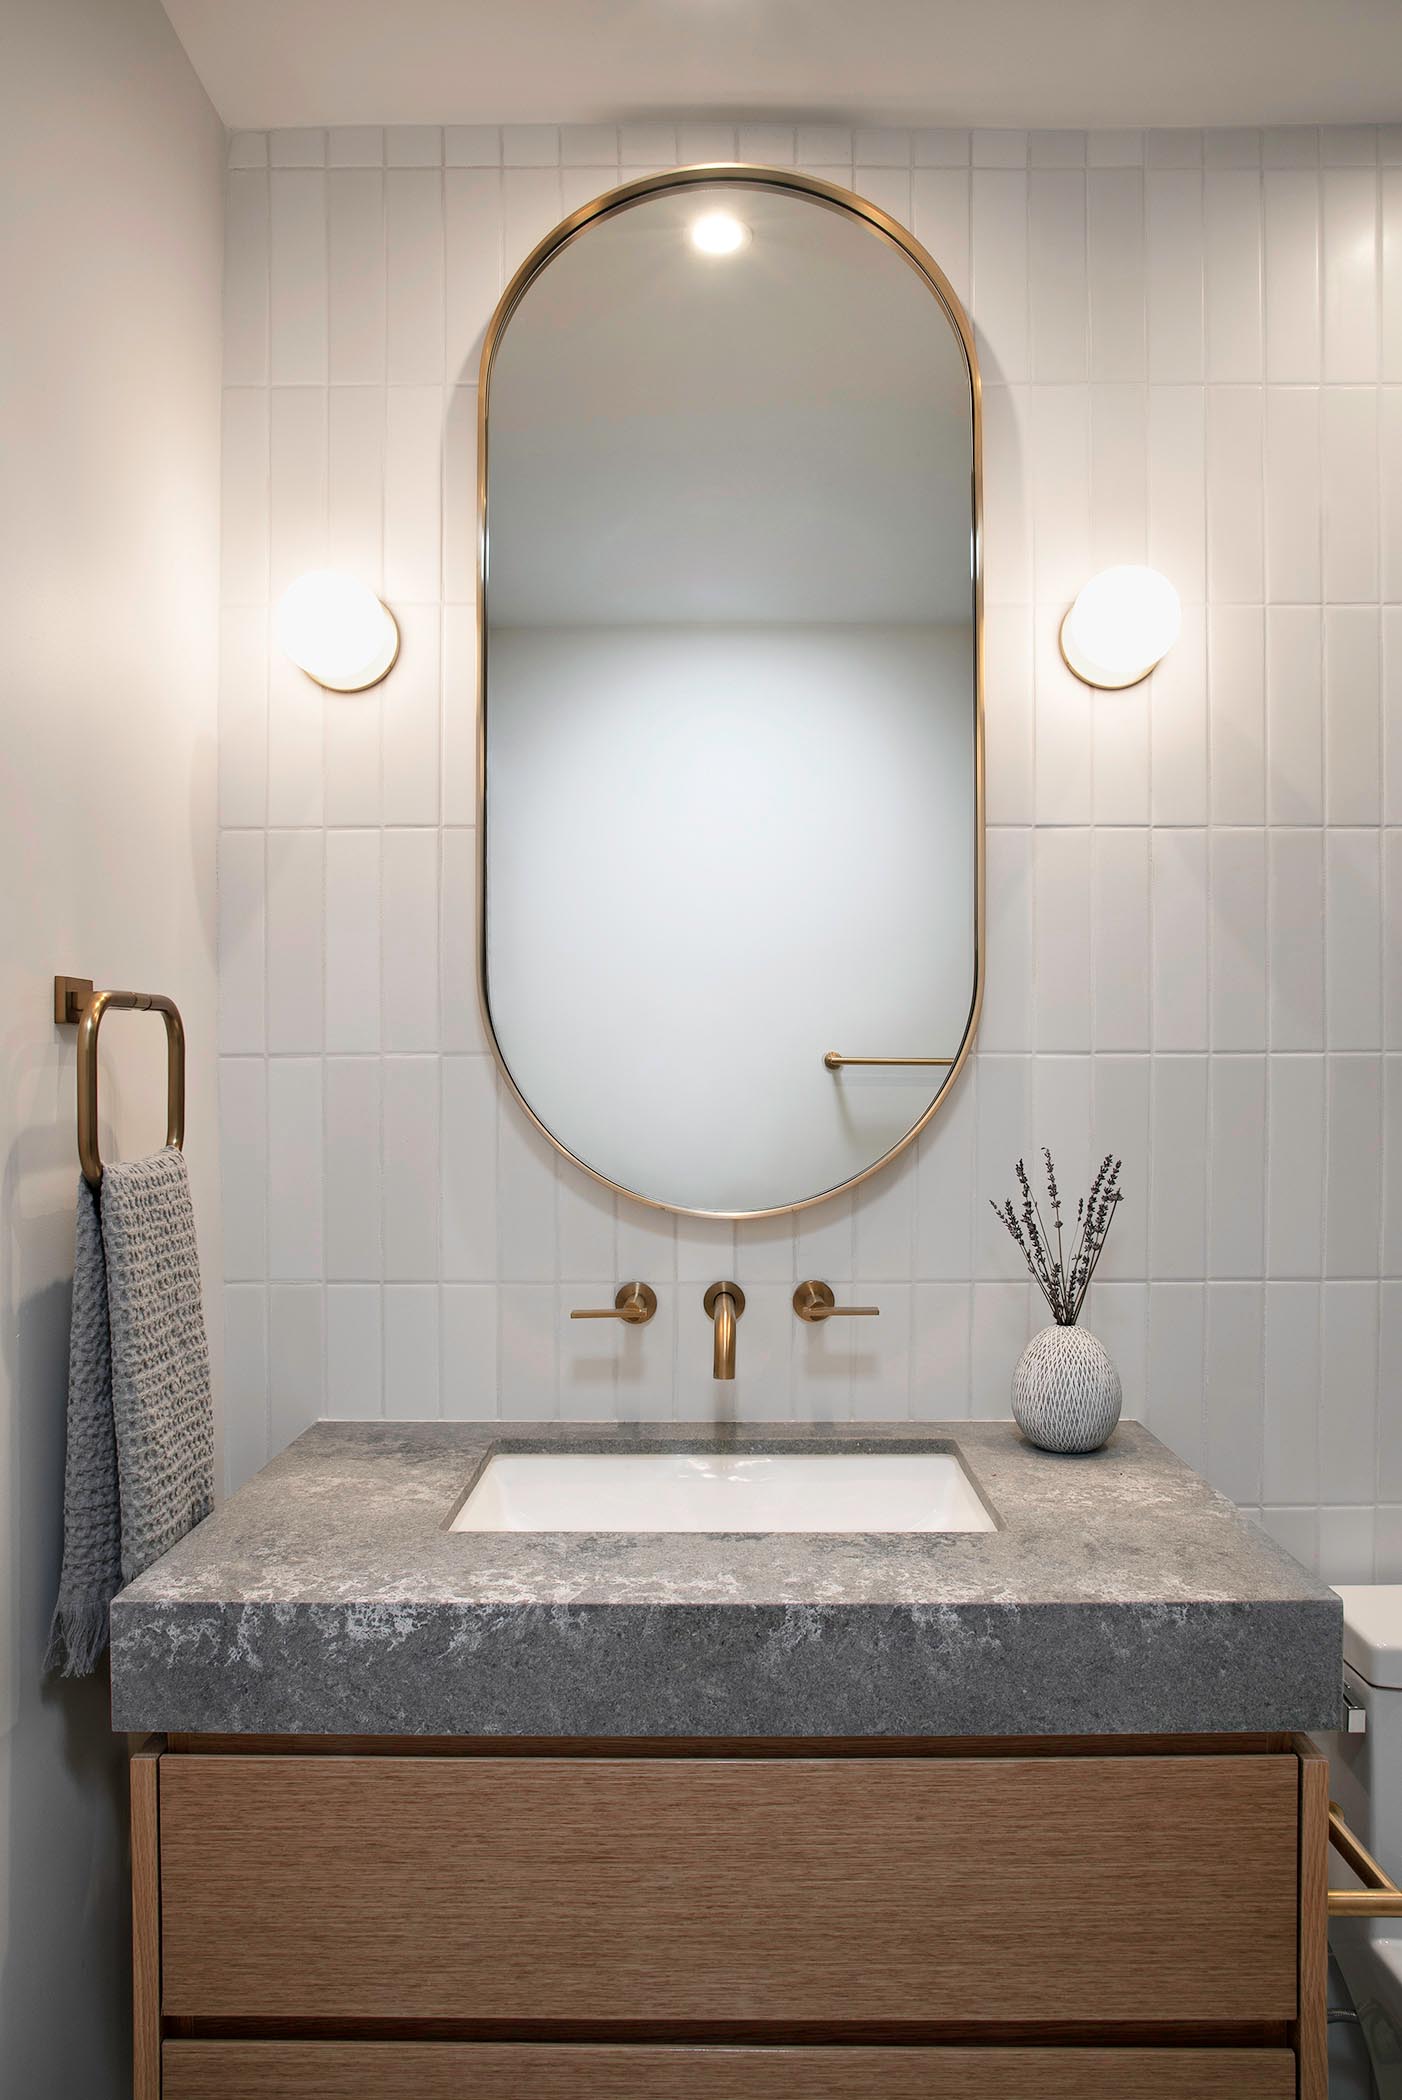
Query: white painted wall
{"points": [[110, 251], [1192, 353]]}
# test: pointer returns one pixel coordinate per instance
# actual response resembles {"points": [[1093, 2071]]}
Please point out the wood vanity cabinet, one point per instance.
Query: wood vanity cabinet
{"points": [[1094, 1920]]}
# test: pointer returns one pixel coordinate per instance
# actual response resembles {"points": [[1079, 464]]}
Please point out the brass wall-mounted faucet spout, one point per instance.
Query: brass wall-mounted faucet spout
{"points": [[724, 1302]]}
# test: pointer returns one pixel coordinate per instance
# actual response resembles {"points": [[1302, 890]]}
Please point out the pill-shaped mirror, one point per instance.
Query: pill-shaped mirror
{"points": [[730, 765]]}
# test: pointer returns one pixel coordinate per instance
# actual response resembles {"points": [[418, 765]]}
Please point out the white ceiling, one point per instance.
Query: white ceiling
{"points": [[1044, 63]]}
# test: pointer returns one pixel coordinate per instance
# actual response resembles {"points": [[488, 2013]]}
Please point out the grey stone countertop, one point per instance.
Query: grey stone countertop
{"points": [[1118, 1595]]}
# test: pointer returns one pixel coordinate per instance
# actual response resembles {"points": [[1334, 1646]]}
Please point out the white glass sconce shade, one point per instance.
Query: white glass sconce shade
{"points": [[1122, 624], [337, 631], [718, 233]]}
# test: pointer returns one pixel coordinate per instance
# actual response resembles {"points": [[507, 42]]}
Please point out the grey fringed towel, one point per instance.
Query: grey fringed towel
{"points": [[140, 1465]]}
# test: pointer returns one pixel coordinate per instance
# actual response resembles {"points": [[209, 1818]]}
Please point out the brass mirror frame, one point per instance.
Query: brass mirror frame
{"points": [[569, 229]]}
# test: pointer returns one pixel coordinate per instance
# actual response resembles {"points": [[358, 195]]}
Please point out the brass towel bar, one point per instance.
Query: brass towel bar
{"points": [[835, 1060], [75, 1001], [1380, 1896]]}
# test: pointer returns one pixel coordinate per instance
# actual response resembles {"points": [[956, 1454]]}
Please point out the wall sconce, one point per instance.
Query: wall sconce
{"points": [[718, 233], [337, 631], [1122, 624]]}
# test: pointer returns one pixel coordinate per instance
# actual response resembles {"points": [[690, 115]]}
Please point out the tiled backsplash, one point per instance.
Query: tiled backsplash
{"points": [[1192, 354]]}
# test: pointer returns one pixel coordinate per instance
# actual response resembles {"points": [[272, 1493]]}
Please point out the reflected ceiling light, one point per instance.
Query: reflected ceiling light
{"points": [[337, 631], [718, 233], [1123, 623]]}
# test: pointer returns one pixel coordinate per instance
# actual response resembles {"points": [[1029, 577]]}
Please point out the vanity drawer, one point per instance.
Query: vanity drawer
{"points": [[655, 1890], [603, 2071]]}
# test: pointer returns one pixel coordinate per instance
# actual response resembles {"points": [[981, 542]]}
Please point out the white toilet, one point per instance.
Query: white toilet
{"points": [[1365, 2055]]}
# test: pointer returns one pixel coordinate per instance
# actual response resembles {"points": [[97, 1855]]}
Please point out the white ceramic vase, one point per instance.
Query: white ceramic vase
{"points": [[1066, 1391]]}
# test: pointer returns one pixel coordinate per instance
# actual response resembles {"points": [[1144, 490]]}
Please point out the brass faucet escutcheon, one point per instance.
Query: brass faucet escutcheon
{"points": [[724, 1303]]}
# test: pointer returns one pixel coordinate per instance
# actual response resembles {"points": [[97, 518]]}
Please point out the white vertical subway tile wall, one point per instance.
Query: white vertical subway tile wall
{"points": [[1192, 354]]}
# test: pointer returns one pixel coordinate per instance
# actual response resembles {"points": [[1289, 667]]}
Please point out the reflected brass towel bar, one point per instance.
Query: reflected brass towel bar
{"points": [[835, 1060], [76, 1003]]}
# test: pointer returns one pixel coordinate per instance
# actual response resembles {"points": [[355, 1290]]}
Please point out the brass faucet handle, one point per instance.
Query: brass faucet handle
{"points": [[636, 1303], [815, 1302]]}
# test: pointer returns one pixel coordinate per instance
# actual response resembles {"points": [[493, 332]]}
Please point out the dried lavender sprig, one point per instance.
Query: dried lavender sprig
{"points": [[1104, 1180], [1084, 1289], [1008, 1217], [1032, 1245], [1052, 1189], [1108, 1200], [1055, 1194], [1085, 1284], [1106, 1204], [1050, 1281], [1055, 1266], [1042, 1268]]}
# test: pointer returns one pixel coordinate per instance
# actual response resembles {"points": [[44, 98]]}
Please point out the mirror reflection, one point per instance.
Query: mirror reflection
{"points": [[731, 819]]}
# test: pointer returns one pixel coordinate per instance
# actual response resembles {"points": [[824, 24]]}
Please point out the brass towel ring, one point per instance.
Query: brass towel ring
{"points": [[72, 994]]}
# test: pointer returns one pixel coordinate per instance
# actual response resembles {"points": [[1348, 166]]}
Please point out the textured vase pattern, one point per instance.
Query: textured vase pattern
{"points": [[1066, 1391]]}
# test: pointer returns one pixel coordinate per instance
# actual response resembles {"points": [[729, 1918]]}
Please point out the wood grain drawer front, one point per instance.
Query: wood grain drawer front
{"points": [[1077, 1889], [598, 2071]]}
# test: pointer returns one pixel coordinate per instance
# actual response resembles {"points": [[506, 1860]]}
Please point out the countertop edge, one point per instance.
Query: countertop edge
{"points": [[601, 1670]]}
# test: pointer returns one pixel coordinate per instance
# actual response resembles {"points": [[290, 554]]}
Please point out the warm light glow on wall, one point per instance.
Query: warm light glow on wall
{"points": [[337, 631], [1123, 623]]}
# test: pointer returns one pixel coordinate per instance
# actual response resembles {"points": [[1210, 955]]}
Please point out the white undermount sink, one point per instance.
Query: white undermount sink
{"points": [[709, 1491]]}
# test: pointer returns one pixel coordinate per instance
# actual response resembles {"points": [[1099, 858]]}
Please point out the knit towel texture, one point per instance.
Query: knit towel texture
{"points": [[140, 1463]]}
